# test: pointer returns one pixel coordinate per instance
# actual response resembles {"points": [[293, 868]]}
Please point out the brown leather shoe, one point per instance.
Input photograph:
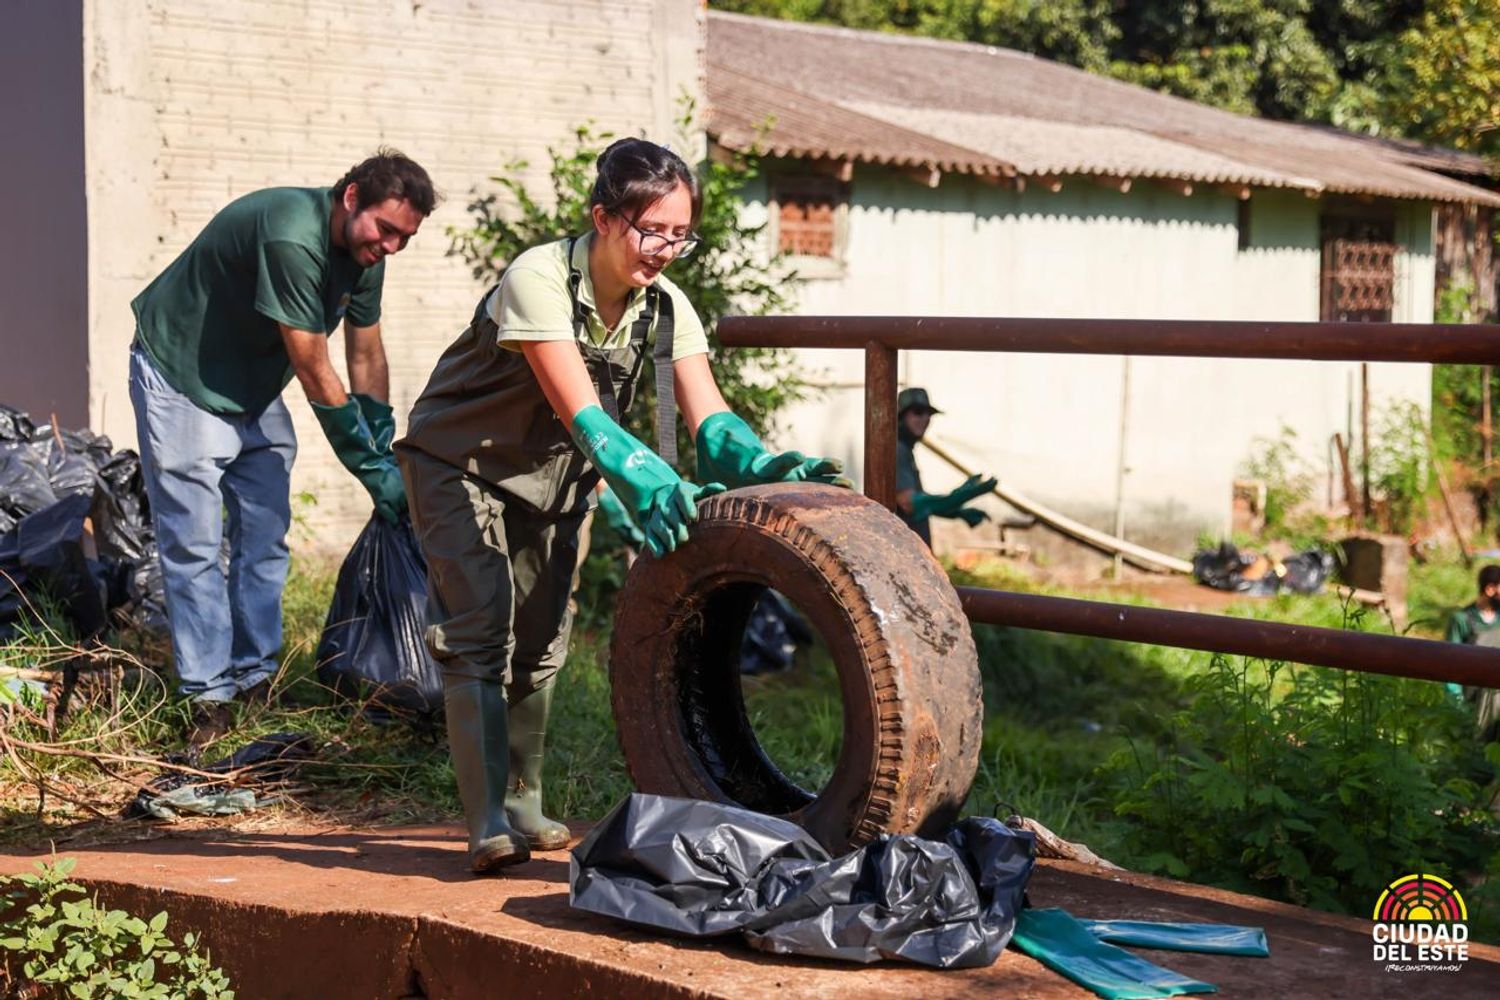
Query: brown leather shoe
{"points": [[257, 695], [209, 721]]}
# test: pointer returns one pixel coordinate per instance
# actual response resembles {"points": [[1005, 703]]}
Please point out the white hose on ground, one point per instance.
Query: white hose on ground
{"points": [[1137, 555]]}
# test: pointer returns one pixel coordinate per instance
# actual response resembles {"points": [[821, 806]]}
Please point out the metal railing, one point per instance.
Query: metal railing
{"points": [[882, 337]]}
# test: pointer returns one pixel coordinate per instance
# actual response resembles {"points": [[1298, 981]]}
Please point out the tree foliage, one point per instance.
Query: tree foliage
{"points": [[1425, 69]]}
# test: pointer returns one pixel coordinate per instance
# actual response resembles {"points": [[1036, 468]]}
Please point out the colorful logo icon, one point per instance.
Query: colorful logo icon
{"points": [[1420, 898]]}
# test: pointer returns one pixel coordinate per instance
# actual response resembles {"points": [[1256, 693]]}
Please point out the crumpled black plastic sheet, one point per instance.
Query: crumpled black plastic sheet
{"points": [[703, 869], [374, 630]]}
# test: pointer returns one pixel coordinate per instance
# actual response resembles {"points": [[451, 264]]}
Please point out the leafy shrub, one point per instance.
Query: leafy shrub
{"points": [[1312, 785], [58, 942], [1278, 462]]}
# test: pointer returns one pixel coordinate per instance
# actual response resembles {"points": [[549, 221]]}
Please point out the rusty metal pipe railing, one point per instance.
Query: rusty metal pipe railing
{"points": [[1446, 343], [1423, 659], [881, 337]]}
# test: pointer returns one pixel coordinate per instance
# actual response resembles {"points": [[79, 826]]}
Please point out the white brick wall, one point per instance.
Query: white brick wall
{"points": [[190, 103]]}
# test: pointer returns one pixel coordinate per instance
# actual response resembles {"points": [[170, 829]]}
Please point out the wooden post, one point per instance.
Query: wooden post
{"points": [[1343, 450], [1486, 429], [1458, 534], [1364, 441], [880, 424]]}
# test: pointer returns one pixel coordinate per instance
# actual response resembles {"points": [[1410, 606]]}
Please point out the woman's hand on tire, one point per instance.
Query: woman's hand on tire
{"points": [[672, 510]]}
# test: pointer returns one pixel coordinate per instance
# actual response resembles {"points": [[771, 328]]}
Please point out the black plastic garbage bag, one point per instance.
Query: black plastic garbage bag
{"points": [[25, 487], [1306, 572], [43, 468], [268, 760], [703, 869], [1227, 568], [15, 425], [772, 635], [373, 634], [44, 554]]}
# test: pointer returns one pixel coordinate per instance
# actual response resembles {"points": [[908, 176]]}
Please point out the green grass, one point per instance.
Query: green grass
{"points": [[1057, 708]]}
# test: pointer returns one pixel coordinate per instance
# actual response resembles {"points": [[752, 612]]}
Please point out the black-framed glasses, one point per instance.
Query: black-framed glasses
{"points": [[654, 244]]}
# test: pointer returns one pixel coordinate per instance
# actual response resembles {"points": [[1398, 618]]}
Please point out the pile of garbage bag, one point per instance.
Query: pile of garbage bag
{"points": [[75, 528], [1257, 575], [710, 869]]}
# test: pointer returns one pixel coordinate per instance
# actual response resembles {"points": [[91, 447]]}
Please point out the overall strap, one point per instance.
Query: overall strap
{"points": [[666, 389], [659, 310], [604, 385]]}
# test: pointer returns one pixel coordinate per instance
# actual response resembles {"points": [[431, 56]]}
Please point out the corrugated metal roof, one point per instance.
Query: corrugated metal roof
{"points": [[805, 127], [987, 105], [1038, 147]]}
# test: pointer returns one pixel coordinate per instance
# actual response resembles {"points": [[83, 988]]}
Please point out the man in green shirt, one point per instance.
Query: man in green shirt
{"points": [[1473, 620], [219, 334], [913, 505], [1478, 624]]}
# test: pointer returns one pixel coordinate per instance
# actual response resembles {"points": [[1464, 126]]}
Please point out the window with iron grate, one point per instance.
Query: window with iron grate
{"points": [[809, 214], [1359, 266]]}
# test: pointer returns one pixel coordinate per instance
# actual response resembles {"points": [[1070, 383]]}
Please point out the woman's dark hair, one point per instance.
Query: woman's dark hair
{"points": [[390, 173], [1489, 576], [634, 173]]}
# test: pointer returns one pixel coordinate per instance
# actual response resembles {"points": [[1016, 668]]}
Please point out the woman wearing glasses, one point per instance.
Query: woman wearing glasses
{"points": [[505, 446]]}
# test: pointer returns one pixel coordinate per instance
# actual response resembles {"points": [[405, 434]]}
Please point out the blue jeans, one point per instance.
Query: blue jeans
{"points": [[209, 476]]}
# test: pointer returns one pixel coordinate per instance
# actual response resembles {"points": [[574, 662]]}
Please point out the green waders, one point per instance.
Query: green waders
{"points": [[499, 498]]}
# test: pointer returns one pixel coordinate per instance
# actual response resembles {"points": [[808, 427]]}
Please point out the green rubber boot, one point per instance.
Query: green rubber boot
{"points": [[481, 762], [523, 798]]}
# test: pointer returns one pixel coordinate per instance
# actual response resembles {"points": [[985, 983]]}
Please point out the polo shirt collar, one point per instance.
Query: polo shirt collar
{"points": [[580, 263]]}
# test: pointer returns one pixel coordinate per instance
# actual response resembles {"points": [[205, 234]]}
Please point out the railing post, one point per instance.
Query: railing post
{"points": [[880, 424]]}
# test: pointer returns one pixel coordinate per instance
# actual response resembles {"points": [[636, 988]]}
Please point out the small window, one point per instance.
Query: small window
{"points": [[1359, 266], [1242, 222], [809, 214]]}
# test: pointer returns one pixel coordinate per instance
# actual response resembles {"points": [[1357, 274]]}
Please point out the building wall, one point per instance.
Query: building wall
{"points": [[191, 104], [43, 281], [1050, 425]]}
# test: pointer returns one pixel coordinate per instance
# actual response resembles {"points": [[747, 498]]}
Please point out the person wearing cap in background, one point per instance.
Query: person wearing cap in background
{"points": [[914, 505]]}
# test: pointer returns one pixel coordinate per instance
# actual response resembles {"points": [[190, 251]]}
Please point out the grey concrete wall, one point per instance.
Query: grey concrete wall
{"points": [[43, 260]]}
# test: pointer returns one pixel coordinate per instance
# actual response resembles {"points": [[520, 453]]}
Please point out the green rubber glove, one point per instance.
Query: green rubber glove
{"points": [[618, 518], [656, 498], [353, 443], [949, 504], [380, 418], [972, 516], [730, 453]]}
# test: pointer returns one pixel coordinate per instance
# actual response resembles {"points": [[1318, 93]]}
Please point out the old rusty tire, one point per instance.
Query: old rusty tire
{"points": [[907, 668]]}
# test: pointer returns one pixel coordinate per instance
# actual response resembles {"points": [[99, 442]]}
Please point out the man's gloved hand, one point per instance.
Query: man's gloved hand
{"points": [[949, 504], [730, 453], [375, 468], [972, 516], [380, 418], [618, 518], [655, 497]]}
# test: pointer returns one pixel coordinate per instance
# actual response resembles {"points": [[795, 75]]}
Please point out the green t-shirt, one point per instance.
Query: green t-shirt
{"points": [[209, 321], [1467, 625]]}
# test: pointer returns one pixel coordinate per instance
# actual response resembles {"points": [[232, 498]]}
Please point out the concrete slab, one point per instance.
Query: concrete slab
{"points": [[392, 913]]}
